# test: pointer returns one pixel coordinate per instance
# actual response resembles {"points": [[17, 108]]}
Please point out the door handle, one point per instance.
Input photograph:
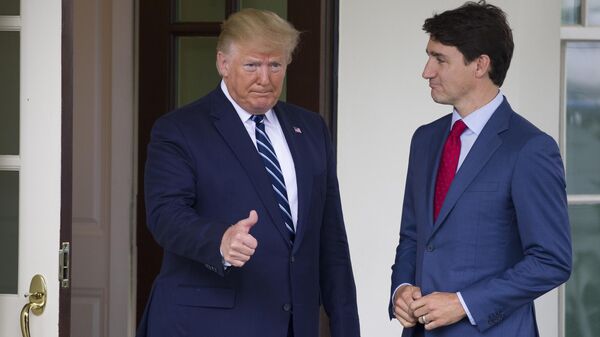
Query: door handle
{"points": [[37, 302]]}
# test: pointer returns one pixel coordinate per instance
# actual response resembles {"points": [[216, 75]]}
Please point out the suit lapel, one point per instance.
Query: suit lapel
{"points": [[436, 147], [229, 125], [485, 146], [301, 159]]}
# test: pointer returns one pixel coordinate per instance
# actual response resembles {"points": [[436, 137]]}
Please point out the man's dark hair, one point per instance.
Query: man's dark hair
{"points": [[476, 28]]}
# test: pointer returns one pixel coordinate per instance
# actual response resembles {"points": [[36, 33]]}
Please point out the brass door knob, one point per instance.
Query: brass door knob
{"points": [[37, 302]]}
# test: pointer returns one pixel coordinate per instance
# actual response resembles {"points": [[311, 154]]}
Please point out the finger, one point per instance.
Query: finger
{"points": [[240, 249], [250, 242], [416, 294], [406, 323], [249, 222], [405, 316], [417, 304]]}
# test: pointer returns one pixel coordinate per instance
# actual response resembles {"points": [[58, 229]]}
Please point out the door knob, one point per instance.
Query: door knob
{"points": [[37, 302]]}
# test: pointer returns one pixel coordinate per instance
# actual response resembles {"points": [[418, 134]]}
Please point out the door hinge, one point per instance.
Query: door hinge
{"points": [[64, 268]]}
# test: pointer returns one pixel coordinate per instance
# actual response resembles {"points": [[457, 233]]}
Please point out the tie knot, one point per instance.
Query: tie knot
{"points": [[258, 119], [458, 128]]}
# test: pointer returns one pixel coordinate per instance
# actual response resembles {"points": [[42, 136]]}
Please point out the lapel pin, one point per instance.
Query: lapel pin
{"points": [[297, 129]]}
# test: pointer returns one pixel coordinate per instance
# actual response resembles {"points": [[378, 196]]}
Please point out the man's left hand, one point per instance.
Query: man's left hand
{"points": [[438, 309]]}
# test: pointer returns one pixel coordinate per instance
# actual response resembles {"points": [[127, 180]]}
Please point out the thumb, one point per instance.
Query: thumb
{"points": [[417, 294], [249, 222]]}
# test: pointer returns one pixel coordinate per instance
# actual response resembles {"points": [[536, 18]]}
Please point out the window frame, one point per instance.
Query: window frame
{"points": [[581, 32]]}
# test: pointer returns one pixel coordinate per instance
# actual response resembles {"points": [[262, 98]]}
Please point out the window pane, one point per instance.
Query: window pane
{"points": [[205, 10], [593, 14], [9, 93], [277, 6], [583, 289], [583, 117], [9, 231], [9, 7], [196, 68], [571, 12]]}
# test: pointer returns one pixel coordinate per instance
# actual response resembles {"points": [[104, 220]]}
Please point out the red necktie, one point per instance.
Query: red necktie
{"points": [[448, 165]]}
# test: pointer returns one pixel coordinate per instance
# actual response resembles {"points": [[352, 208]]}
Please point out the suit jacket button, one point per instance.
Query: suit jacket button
{"points": [[287, 307], [430, 248], [292, 259]]}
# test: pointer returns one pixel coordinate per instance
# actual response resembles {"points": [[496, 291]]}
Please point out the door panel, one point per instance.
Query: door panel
{"points": [[37, 161]]}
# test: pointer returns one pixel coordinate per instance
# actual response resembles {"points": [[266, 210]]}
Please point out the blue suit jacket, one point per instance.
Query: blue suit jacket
{"points": [[203, 174], [502, 237]]}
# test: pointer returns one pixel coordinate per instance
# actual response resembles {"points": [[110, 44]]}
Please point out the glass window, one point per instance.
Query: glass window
{"points": [[593, 14], [197, 11], [9, 231], [9, 93], [583, 117], [583, 289], [277, 6], [571, 12], [9, 7], [196, 68]]}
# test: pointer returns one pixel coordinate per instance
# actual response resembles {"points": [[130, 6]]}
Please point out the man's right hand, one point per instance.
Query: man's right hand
{"points": [[237, 245], [404, 296]]}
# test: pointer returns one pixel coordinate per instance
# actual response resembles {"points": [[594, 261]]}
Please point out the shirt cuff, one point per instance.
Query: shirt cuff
{"points": [[395, 290], [464, 305], [225, 263]]}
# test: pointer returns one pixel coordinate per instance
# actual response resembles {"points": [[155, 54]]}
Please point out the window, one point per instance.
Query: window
{"points": [[580, 35]]}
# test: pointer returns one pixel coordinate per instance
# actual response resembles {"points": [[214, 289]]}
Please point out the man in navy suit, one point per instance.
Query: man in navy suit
{"points": [[242, 194], [484, 227]]}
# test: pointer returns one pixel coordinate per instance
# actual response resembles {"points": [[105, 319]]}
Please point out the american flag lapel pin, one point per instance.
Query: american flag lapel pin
{"points": [[297, 129]]}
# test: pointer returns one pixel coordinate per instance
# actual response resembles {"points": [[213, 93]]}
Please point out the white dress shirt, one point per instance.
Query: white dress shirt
{"points": [[475, 123], [284, 156]]}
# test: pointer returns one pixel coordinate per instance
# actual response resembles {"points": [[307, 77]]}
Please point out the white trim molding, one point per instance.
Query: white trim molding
{"points": [[10, 23]]}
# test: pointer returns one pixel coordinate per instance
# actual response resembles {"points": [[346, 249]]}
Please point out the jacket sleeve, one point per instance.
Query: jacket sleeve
{"points": [[404, 268], [170, 193], [540, 203]]}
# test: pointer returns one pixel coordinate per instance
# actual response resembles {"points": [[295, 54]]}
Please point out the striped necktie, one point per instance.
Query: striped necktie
{"points": [[267, 153]]}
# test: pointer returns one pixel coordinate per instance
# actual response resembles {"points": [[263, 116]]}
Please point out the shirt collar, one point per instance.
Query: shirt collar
{"points": [[476, 120], [243, 114]]}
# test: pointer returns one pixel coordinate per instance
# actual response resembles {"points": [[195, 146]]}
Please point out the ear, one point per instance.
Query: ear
{"points": [[483, 66], [223, 64]]}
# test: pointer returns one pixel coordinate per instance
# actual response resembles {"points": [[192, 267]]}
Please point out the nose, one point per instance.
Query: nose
{"points": [[263, 75], [428, 71]]}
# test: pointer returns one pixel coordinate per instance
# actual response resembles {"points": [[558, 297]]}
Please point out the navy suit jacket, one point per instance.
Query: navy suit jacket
{"points": [[502, 237], [204, 174]]}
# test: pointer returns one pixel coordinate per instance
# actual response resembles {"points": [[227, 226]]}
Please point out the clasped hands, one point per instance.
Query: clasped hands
{"points": [[434, 310]]}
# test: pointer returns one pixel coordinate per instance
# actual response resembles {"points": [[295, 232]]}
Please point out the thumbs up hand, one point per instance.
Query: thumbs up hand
{"points": [[238, 245]]}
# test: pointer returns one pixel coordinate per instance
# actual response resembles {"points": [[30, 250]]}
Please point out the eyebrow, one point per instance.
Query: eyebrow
{"points": [[434, 54]]}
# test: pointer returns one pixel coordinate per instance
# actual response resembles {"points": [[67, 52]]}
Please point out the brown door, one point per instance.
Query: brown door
{"points": [[177, 66]]}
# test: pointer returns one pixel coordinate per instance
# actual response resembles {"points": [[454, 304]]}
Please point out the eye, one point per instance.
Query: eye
{"points": [[252, 66], [276, 66]]}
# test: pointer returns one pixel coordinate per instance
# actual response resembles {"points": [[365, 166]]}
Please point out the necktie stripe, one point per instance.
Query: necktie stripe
{"points": [[267, 153], [266, 148], [285, 211], [273, 163], [277, 178]]}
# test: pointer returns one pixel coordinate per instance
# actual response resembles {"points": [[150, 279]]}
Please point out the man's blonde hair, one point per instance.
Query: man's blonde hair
{"points": [[261, 28]]}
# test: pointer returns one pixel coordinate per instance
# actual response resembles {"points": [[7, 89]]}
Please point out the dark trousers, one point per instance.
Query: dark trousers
{"points": [[419, 331]]}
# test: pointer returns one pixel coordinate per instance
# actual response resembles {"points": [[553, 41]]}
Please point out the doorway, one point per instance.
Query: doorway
{"points": [[177, 40]]}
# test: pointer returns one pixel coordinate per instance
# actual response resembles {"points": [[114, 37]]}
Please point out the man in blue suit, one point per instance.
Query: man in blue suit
{"points": [[484, 226], [242, 194]]}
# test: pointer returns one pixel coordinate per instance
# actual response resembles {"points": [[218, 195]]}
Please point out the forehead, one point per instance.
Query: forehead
{"points": [[256, 49], [437, 48]]}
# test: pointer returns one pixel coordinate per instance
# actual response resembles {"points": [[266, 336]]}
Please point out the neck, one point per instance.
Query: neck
{"points": [[476, 100]]}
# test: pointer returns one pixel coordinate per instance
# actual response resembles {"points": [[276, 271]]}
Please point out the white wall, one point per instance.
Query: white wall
{"points": [[383, 99]]}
